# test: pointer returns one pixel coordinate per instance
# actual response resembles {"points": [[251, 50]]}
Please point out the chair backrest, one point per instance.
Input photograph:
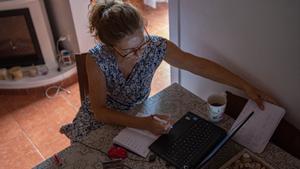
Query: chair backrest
{"points": [[82, 74]]}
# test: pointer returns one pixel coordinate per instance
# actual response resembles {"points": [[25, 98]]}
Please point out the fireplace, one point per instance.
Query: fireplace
{"points": [[26, 39], [19, 45]]}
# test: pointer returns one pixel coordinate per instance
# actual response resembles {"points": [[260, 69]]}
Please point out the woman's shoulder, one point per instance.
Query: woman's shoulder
{"points": [[96, 50], [100, 54], [157, 39], [99, 51], [158, 42]]}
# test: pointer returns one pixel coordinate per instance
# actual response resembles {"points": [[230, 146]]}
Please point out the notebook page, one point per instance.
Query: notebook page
{"points": [[145, 133], [257, 131], [135, 140]]}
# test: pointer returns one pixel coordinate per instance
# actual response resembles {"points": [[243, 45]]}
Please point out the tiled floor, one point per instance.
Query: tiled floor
{"points": [[29, 124]]}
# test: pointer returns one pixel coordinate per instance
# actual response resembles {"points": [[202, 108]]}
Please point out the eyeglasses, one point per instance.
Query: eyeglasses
{"points": [[137, 49]]}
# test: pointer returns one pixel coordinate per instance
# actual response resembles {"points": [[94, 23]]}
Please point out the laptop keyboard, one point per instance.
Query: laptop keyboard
{"points": [[192, 144]]}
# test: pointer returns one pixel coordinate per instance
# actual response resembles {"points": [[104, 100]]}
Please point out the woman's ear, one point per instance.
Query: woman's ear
{"points": [[93, 2], [145, 22]]}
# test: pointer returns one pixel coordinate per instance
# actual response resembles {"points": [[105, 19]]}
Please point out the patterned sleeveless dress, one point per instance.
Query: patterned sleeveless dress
{"points": [[122, 93]]}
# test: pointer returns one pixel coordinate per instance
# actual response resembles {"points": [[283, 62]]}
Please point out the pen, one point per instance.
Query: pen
{"points": [[164, 122], [160, 120]]}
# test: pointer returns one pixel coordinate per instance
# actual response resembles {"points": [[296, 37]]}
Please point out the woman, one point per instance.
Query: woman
{"points": [[121, 68]]}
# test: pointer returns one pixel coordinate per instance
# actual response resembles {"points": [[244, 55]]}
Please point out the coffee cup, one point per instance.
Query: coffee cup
{"points": [[216, 106]]}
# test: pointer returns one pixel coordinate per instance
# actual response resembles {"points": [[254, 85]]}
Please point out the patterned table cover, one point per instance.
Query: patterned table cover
{"points": [[177, 101]]}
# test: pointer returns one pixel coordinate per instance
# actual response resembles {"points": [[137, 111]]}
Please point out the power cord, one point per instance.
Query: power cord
{"points": [[58, 89], [132, 159], [152, 157], [127, 166], [139, 160], [94, 148], [59, 59]]}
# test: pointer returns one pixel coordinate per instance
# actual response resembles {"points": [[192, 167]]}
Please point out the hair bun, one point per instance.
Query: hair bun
{"points": [[112, 21], [110, 4]]}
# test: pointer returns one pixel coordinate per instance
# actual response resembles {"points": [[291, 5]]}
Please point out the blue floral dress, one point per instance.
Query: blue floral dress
{"points": [[122, 93]]}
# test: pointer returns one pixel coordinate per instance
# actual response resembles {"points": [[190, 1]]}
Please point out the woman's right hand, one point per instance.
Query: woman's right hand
{"points": [[156, 127]]}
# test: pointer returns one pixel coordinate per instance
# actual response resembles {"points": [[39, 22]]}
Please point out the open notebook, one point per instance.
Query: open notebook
{"points": [[256, 133], [135, 140]]}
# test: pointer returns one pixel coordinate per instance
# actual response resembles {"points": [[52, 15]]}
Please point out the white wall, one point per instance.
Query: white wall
{"points": [[258, 40], [152, 3], [80, 15], [70, 19], [62, 24]]}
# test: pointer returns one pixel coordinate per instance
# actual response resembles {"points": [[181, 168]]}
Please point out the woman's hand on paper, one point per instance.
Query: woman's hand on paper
{"points": [[259, 96]]}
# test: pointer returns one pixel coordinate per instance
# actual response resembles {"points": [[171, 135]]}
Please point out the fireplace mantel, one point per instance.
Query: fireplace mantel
{"points": [[38, 81]]}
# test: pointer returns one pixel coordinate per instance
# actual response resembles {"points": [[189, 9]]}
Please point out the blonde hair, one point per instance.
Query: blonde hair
{"points": [[113, 21]]}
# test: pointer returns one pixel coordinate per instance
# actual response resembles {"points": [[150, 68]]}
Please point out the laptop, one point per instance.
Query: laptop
{"points": [[192, 141]]}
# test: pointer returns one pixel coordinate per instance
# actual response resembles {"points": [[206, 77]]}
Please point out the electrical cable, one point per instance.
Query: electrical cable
{"points": [[94, 149], [57, 87], [132, 159], [59, 59], [127, 166]]}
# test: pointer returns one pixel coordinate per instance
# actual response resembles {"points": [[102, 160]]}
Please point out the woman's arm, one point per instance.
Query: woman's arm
{"points": [[97, 95], [206, 68]]}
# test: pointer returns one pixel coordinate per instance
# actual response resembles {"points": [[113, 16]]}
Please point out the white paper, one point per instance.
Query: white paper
{"points": [[257, 131]]}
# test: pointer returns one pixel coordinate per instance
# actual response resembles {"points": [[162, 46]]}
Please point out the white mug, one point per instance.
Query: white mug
{"points": [[216, 106]]}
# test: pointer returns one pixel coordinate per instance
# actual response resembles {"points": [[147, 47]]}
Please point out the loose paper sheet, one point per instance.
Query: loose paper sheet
{"points": [[257, 131]]}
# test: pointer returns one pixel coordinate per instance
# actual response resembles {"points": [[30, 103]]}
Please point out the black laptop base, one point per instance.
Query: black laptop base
{"points": [[189, 142]]}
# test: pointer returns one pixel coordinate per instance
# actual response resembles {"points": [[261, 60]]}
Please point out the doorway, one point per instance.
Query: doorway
{"points": [[157, 24]]}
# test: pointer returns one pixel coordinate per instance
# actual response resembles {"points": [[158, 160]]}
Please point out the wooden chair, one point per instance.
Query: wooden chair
{"points": [[82, 75]]}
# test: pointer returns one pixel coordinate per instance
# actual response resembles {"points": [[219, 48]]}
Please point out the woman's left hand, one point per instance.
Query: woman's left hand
{"points": [[259, 96]]}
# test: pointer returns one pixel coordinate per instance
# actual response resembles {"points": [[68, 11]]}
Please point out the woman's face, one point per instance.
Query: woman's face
{"points": [[130, 44]]}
